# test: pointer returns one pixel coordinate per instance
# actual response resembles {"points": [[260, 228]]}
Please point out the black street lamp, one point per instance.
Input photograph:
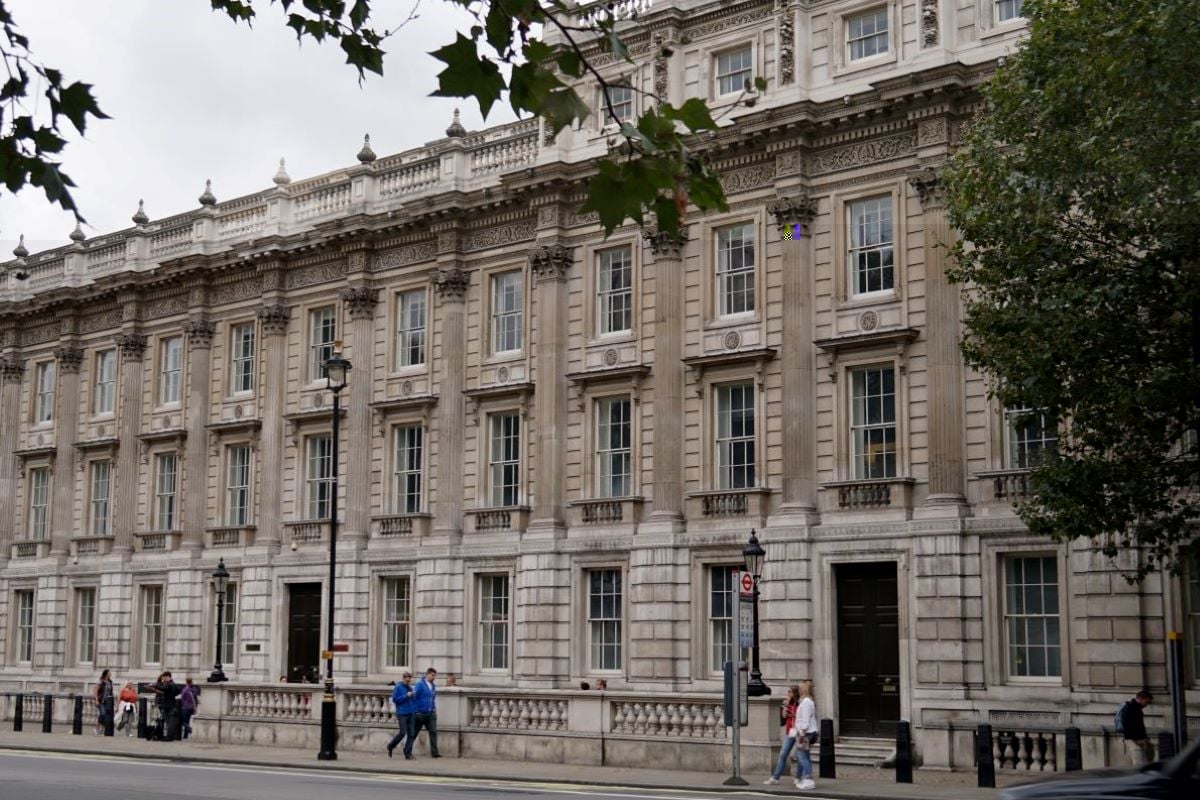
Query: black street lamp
{"points": [[754, 556], [220, 579], [336, 369]]}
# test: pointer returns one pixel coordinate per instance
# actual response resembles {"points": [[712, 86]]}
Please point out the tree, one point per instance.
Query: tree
{"points": [[1077, 193], [657, 171]]}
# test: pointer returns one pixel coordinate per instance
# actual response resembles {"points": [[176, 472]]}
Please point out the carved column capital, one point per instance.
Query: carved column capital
{"points": [[665, 245], [200, 332], [274, 318], [929, 188], [11, 369], [451, 284], [360, 300], [69, 357], [794, 209], [133, 346], [550, 262]]}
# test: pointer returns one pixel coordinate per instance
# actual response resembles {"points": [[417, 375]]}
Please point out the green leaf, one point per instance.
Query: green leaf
{"points": [[76, 103], [571, 63], [467, 74], [693, 113], [499, 27], [760, 83]]}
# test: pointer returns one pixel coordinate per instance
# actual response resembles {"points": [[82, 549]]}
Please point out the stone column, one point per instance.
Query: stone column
{"points": [[451, 284], [11, 369], [799, 358], [360, 301], [195, 489], [273, 322], [66, 425], [124, 506], [668, 375], [945, 374], [549, 265]]}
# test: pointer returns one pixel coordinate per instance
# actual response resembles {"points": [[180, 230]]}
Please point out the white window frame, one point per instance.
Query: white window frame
{"points": [[47, 379], [735, 258], [1017, 616], [242, 343], [621, 98], [170, 370], [24, 625], [721, 633], [504, 458], [104, 400], [322, 333], [614, 300], [408, 468], [318, 475], [1011, 7], [166, 491], [730, 78], [99, 497], [730, 437], [1027, 437], [229, 627], [605, 621], [614, 448], [396, 623], [861, 39], [39, 503], [870, 251], [239, 479], [85, 625], [151, 619], [412, 311], [507, 312], [866, 435], [495, 621]]}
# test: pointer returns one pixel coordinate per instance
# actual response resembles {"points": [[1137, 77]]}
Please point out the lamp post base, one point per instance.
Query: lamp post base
{"points": [[217, 676], [755, 686], [328, 726]]}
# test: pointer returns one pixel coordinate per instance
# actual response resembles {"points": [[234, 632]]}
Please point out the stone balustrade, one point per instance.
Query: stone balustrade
{"points": [[370, 707], [508, 713], [688, 720], [283, 703], [872, 494], [306, 531], [400, 526], [1008, 484]]}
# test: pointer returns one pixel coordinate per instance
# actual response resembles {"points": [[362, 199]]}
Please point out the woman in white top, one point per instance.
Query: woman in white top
{"points": [[806, 734]]}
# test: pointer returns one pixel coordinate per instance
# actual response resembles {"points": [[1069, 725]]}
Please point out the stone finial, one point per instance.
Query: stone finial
{"points": [[366, 155], [140, 218], [208, 198], [78, 235], [20, 250], [456, 130], [281, 177]]}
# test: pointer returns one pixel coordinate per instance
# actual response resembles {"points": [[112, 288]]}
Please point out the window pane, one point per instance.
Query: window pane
{"points": [[242, 348], [152, 624], [614, 279], [867, 34], [1032, 435], [735, 270], [604, 619], [407, 469], [105, 382], [613, 447], [734, 69], [504, 459], [507, 312], [871, 248], [493, 621], [85, 625], [1032, 616], [873, 423], [396, 621], [320, 476], [735, 443], [323, 332], [100, 473], [237, 493], [165, 477], [410, 334]]}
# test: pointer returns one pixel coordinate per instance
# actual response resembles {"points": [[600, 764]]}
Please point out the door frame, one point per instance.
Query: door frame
{"points": [[826, 557], [282, 610]]}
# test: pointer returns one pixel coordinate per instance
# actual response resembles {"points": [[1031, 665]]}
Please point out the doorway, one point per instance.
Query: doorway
{"points": [[304, 633], [868, 649]]}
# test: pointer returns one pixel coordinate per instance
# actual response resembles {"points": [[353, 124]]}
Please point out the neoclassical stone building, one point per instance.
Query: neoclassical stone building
{"points": [[555, 445]]}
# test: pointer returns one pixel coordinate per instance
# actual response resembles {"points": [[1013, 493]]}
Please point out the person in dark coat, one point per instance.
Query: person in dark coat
{"points": [[1133, 729], [167, 691]]}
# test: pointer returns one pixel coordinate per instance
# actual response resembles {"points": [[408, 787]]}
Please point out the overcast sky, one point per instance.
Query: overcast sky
{"points": [[194, 96]]}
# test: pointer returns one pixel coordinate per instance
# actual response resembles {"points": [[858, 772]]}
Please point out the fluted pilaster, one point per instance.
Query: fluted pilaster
{"points": [[668, 374], [125, 496], [361, 302], [549, 264], [273, 321], [66, 426], [451, 284], [200, 333], [11, 370]]}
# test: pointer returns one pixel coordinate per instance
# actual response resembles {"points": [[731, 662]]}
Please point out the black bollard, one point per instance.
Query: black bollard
{"points": [[985, 766], [77, 719], [47, 713], [19, 713], [903, 752], [1166, 746], [828, 766], [1074, 750], [143, 728], [110, 717]]}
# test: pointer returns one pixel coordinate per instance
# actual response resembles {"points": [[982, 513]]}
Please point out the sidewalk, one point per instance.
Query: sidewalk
{"points": [[852, 782]]}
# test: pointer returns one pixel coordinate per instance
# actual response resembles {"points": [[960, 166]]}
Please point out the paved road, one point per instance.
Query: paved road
{"points": [[53, 776]]}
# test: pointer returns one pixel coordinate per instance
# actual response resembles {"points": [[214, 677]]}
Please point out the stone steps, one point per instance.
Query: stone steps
{"points": [[859, 752]]}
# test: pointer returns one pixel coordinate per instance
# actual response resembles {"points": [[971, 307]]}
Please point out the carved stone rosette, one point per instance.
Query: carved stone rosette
{"points": [[550, 262], [69, 357], [361, 301], [11, 369], [929, 188], [929, 22], [792, 209], [200, 332], [274, 319], [787, 42], [665, 245], [133, 346], [451, 284]]}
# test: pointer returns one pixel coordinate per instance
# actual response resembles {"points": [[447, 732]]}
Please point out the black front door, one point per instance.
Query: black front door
{"points": [[868, 648], [304, 633]]}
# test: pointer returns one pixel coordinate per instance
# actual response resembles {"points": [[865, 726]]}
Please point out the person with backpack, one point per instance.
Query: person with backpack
{"points": [[1130, 723]]}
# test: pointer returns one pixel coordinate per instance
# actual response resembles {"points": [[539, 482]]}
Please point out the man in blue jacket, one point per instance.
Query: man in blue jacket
{"points": [[402, 698], [425, 713]]}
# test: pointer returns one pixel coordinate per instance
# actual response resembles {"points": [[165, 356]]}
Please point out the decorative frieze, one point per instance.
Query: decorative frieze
{"points": [[166, 307], [241, 290], [862, 154], [360, 301], [312, 275], [788, 164], [133, 346], [200, 332], [40, 334], [451, 284], [550, 262], [724, 23], [664, 244], [744, 180], [274, 319], [499, 235], [932, 131], [99, 322], [403, 256], [11, 369], [69, 357]]}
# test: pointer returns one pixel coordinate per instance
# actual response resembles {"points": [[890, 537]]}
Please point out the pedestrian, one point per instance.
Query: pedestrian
{"points": [[1131, 724], [403, 700], [425, 713], [787, 721], [102, 695], [189, 699], [127, 710], [805, 732], [167, 692]]}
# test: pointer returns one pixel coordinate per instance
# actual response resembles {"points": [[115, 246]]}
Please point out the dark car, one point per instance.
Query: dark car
{"points": [[1177, 779]]}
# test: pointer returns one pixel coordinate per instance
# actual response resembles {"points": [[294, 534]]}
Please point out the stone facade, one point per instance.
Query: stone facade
{"points": [[552, 442]]}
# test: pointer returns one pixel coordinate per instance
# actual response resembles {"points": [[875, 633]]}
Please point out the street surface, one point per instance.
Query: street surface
{"points": [[56, 776]]}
